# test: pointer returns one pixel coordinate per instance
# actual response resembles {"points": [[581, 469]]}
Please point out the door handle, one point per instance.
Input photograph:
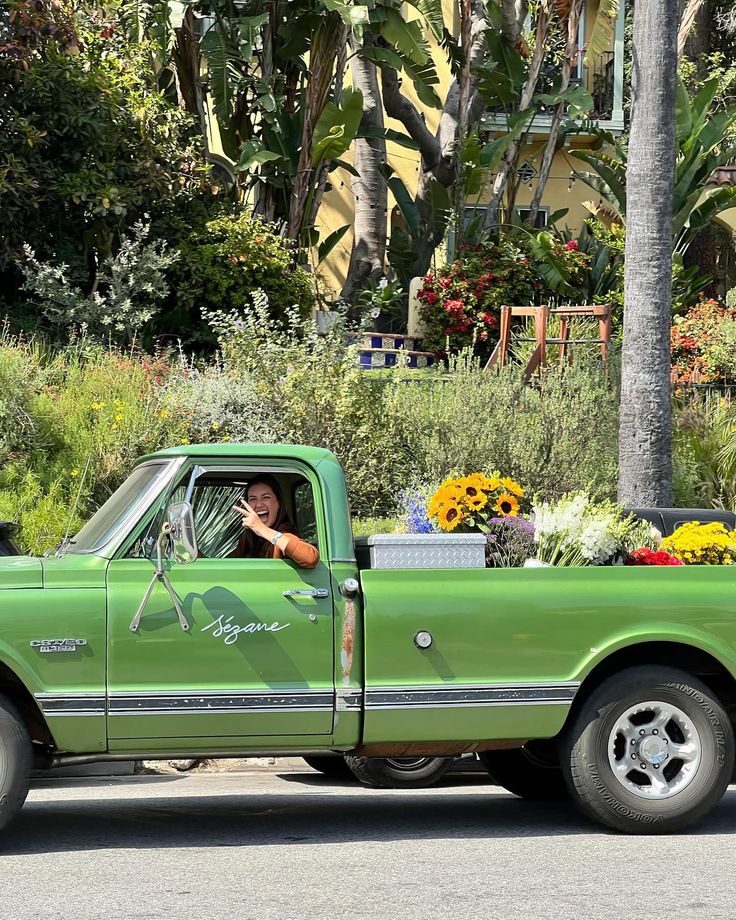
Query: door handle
{"points": [[306, 592]]}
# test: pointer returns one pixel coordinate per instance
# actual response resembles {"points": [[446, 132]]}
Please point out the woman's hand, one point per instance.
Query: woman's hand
{"points": [[250, 518]]}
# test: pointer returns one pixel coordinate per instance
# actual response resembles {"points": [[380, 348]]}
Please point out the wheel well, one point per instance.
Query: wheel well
{"points": [[15, 690], [668, 654]]}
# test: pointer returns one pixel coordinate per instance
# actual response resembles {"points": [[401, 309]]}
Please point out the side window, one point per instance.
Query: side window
{"points": [[218, 526]]}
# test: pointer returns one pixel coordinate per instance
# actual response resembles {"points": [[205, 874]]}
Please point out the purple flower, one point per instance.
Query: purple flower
{"points": [[509, 541], [414, 505]]}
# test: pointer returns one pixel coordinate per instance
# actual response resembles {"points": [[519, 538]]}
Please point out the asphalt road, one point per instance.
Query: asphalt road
{"points": [[291, 845]]}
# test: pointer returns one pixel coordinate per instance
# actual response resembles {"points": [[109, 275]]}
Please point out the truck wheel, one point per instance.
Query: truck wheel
{"points": [[332, 766], [15, 762], [398, 772], [532, 772], [651, 751]]}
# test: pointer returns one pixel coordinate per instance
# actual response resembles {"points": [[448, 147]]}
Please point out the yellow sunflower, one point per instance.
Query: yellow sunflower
{"points": [[510, 485], [491, 483], [450, 516], [477, 501], [507, 505]]}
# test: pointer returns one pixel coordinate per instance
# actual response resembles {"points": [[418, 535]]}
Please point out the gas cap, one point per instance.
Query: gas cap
{"points": [[423, 639]]}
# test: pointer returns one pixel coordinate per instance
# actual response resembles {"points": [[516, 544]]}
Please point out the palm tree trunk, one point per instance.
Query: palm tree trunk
{"points": [[369, 188], [645, 443], [327, 40]]}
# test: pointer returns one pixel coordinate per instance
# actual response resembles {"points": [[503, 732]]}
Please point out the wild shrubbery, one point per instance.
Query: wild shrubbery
{"points": [[72, 423]]}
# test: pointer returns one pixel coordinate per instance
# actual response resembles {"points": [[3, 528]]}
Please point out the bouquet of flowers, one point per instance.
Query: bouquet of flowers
{"points": [[414, 517], [464, 501], [646, 556], [702, 544], [580, 531], [509, 542]]}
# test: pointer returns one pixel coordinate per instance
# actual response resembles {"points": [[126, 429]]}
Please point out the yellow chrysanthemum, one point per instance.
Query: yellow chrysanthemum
{"points": [[510, 485], [450, 516], [507, 505]]}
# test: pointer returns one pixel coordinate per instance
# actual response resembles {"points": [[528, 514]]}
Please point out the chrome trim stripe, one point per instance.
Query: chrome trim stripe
{"points": [[206, 703], [349, 700], [491, 695]]}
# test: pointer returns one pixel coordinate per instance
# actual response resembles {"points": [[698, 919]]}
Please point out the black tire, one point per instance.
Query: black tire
{"points": [[333, 766], [596, 743], [398, 772], [532, 772], [16, 757]]}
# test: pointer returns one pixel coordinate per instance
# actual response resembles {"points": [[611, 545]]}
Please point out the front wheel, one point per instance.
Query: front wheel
{"points": [[399, 772], [15, 762], [651, 751]]}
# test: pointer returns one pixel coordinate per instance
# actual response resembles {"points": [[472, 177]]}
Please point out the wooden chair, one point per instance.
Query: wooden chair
{"points": [[541, 316], [500, 352], [601, 312]]}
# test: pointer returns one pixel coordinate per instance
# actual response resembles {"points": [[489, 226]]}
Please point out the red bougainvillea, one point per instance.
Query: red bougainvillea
{"points": [[703, 343]]}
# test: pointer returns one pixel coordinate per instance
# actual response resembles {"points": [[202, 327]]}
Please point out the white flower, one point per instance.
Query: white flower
{"points": [[383, 283]]}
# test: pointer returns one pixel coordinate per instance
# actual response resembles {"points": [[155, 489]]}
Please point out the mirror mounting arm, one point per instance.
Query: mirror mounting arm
{"points": [[160, 575]]}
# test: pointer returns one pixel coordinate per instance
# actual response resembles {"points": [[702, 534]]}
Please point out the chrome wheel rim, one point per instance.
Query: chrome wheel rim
{"points": [[654, 750], [408, 763]]}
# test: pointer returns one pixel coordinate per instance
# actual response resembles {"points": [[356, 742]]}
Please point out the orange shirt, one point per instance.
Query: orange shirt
{"points": [[303, 553]]}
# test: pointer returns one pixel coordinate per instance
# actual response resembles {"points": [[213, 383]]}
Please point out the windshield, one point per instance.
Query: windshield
{"points": [[124, 506]]}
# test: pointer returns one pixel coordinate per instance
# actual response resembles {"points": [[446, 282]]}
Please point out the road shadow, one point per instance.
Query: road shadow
{"points": [[310, 817]]}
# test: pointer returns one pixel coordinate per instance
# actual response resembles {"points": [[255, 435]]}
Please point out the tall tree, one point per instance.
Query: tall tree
{"points": [[645, 444]]}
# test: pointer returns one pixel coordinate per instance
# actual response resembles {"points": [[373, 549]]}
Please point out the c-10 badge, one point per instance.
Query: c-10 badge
{"points": [[58, 645]]}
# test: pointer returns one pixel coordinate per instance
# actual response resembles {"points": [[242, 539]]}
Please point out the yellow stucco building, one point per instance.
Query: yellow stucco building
{"points": [[603, 78]]}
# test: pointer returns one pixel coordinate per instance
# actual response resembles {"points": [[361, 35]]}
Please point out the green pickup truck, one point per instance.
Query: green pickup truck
{"points": [[143, 638]]}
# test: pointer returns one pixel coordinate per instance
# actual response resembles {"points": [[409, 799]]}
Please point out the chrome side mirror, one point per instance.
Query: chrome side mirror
{"points": [[183, 535]]}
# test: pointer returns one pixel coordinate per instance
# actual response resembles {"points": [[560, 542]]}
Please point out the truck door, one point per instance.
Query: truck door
{"points": [[257, 658]]}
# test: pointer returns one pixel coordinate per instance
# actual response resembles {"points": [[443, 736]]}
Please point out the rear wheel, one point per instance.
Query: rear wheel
{"points": [[332, 766], [15, 762], [532, 772], [399, 772], [651, 751]]}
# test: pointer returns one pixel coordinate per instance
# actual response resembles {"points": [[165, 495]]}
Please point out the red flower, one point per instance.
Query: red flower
{"points": [[645, 556], [445, 283], [431, 297], [572, 245]]}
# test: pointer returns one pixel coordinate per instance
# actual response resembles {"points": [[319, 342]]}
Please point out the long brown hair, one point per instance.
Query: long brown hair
{"points": [[253, 545]]}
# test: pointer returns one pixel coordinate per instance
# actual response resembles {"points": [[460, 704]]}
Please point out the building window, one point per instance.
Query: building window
{"points": [[524, 215]]}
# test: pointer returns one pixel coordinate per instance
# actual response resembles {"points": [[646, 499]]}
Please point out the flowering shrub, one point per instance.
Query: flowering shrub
{"points": [[703, 344], [703, 544], [461, 302], [646, 556], [509, 542], [579, 531], [460, 502]]}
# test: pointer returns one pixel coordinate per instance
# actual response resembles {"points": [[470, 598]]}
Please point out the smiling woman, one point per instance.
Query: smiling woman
{"points": [[268, 533]]}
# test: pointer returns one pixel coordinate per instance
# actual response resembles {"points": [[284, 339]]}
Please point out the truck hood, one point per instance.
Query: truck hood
{"points": [[20, 572]]}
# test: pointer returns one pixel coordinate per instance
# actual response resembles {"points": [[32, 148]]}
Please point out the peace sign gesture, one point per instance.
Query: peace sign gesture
{"points": [[250, 518]]}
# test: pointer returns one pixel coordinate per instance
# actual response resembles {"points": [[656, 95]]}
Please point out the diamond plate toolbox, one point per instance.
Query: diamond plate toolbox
{"points": [[421, 551]]}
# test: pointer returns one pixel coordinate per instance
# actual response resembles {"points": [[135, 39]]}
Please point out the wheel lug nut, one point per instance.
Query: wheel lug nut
{"points": [[655, 731], [656, 766], [642, 732], [633, 740]]}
